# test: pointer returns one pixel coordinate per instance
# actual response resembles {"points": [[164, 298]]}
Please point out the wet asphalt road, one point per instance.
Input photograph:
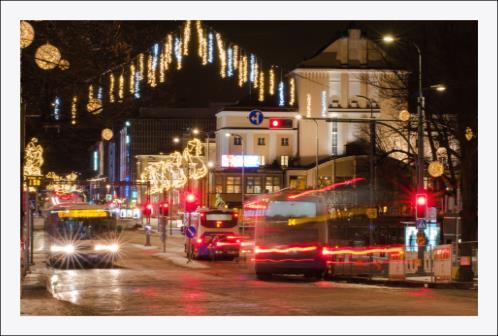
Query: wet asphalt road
{"points": [[144, 284]]}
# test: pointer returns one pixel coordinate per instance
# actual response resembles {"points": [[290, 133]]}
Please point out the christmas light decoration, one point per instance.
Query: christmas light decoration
{"points": [[62, 183], [271, 81], [292, 92], [64, 64], [229, 62], [243, 71], [57, 108], [281, 97], [99, 93], [261, 96], [151, 73], [155, 55], [324, 103], [192, 155], [141, 66], [256, 76], [200, 39], [90, 92], [221, 54], [27, 34], [235, 57], [74, 109], [186, 37], [308, 105], [210, 48], [121, 87], [33, 158], [47, 57], [178, 53], [168, 51], [106, 134], [162, 70], [137, 85], [111, 88], [132, 79], [252, 61]]}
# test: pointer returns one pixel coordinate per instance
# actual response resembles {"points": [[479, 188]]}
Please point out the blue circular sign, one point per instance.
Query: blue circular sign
{"points": [[255, 117], [190, 231]]}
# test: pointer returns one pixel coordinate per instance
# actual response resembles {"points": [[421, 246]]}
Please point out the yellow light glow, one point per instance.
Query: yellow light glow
{"points": [[121, 87], [292, 91], [162, 69], [243, 71], [111, 88], [74, 109], [222, 55], [131, 82], [90, 92], [141, 66], [256, 75], [151, 74], [47, 57], [27, 34], [82, 213], [261, 96], [186, 37], [200, 38], [271, 83], [168, 49], [235, 57], [33, 158]]}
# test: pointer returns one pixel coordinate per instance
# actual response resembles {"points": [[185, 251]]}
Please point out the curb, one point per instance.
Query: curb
{"points": [[407, 283]]}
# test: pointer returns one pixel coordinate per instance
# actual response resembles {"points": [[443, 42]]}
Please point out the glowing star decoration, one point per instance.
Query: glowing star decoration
{"points": [[186, 37], [271, 81], [292, 92], [47, 57], [193, 157], [252, 62], [121, 87], [210, 48], [178, 53], [222, 55], [74, 109], [33, 158], [229, 62], [57, 108], [235, 57], [324, 103], [111, 88], [435, 169], [281, 97], [308, 105], [27, 34], [131, 81], [107, 134], [261, 95]]}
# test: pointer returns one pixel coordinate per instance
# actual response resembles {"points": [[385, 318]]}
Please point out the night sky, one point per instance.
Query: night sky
{"points": [[450, 55]]}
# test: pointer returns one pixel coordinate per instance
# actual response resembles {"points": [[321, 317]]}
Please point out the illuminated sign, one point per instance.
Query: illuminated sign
{"points": [[95, 161], [82, 213], [250, 161]]}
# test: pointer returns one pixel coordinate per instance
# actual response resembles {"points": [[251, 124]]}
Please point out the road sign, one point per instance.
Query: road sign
{"points": [[420, 223], [190, 231], [256, 117], [372, 213]]}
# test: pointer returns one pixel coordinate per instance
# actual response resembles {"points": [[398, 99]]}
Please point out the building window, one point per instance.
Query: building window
{"points": [[272, 184], [233, 184], [253, 185], [284, 141], [237, 141], [218, 184], [261, 141], [284, 160], [334, 137]]}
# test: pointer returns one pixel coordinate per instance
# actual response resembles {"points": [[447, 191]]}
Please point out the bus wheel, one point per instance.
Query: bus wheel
{"points": [[263, 276]]}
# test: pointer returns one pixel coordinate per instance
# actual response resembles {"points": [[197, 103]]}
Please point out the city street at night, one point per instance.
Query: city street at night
{"points": [[144, 282]]}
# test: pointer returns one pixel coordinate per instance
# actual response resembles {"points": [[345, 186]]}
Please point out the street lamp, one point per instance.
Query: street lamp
{"points": [[176, 140], [243, 185], [210, 164], [299, 117], [195, 131]]}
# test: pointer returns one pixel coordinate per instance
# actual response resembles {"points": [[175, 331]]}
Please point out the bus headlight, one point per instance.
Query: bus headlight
{"points": [[68, 249], [110, 248]]}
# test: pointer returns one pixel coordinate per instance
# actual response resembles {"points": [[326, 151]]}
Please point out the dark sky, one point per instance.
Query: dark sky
{"points": [[94, 46]]}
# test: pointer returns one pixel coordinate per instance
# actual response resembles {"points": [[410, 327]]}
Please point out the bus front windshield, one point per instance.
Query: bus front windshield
{"points": [[84, 228]]}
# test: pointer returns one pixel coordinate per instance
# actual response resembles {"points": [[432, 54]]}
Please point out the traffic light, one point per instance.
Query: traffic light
{"points": [[147, 211], [164, 209], [279, 123], [191, 202], [420, 206]]}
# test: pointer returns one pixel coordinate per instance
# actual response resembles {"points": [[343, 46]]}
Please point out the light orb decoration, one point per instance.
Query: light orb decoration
{"points": [[27, 34], [469, 134], [94, 106], [64, 64], [441, 151], [107, 134], [47, 57], [404, 115], [436, 169]]}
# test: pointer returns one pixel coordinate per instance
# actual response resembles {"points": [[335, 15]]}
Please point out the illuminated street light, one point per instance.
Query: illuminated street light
{"points": [[195, 131], [388, 39], [298, 117], [176, 140], [228, 135], [439, 87], [210, 164]]}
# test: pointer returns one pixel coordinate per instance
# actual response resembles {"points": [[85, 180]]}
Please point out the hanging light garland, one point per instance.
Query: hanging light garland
{"points": [[111, 88], [271, 81], [162, 70], [292, 92], [261, 96], [57, 108], [200, 39], [252, 61], [229, 62], [256, 76], [141, 66], [121, 87], [235, 57], [221, 55], [210, 48], [150, 71], [136, 92], [74, 109], [131, 81], [186, 37], [178, 53], [281, 97]]}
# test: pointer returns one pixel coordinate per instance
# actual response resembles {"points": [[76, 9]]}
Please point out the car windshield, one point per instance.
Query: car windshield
{"points": [[84, 228]]}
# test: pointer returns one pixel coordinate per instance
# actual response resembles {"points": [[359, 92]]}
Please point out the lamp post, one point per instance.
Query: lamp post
{"points": [[372, 162], [243, 185], [299, 117], [209, 163]]}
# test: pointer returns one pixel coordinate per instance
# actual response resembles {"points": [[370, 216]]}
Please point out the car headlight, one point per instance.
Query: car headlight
{"points": [[68, 249], [111, 247]]}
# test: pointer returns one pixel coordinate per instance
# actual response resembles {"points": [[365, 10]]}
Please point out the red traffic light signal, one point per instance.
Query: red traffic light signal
{"points": [[420, 206], [191, 202], [164, 209], [147, 210], [278, 123]]}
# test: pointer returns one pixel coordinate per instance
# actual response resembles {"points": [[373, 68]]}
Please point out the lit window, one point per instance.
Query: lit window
{"points": [[284, 160], [284, 141], [261, 141], [233, 184]]}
